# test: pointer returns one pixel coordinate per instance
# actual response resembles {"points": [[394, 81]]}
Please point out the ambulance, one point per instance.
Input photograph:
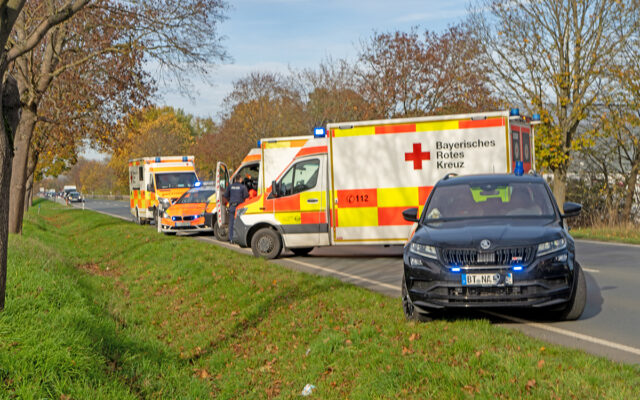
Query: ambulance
{"points": [[258, 169], [351, 184], [155, 183]]}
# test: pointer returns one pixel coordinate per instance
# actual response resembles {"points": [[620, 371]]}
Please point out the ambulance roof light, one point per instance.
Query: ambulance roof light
{"points": [[535, 117], [185, 158], [519, 169], [259, 143], [319, 132], [157, 159], [514, 112]]}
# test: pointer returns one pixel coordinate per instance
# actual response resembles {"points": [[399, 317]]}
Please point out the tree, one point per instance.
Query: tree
{"points": [[550, 56], [9, 51], [149, 132], [405, 74]]}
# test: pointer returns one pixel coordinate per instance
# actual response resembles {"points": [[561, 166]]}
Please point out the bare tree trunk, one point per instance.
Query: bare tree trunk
{"points": [[31, 169], [632, 182], [19, 170], [10, 106], [560, 186]]}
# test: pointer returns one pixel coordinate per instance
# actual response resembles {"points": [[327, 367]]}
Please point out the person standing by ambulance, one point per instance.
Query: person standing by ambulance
{"points": [[235, 194]]}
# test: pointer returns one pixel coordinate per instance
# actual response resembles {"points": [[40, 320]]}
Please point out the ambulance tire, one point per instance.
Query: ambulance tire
{"points": [[266, 243], [301, 251], [220, 233], [137, 218]]}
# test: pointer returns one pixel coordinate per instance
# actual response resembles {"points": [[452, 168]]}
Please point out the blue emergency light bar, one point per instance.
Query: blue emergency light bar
{"points": [[319, 132], [185, 158], [514, 112], [519, 169], [157, 159], [535, 117], [259, 143]]}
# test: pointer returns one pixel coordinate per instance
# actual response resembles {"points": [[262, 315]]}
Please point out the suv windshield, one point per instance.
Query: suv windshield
{"points": [[196, 196], [175, 180], [489, 200]]}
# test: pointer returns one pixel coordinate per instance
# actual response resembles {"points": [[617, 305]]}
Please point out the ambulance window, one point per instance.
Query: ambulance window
{"points": [[526, 148], [515, 139], [140, 174], [302, 176]]}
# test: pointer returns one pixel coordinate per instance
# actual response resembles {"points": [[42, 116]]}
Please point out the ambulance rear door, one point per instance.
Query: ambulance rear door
{"points": [[521, 145], [222, 182]]}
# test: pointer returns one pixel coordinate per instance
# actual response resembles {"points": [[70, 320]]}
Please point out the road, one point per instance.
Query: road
{"points": [[608, 327]]}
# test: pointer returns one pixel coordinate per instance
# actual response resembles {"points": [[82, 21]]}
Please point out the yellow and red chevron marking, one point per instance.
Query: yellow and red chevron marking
{"points": [[283, 143], [419, 127], [290, 210], [377, 207]]}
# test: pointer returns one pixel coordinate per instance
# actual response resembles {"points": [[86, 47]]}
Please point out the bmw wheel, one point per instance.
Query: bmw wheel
{"points": [[220, 233]]}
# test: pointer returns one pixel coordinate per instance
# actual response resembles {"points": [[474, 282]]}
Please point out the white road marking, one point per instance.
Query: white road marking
{"points": [[594, 271], [344, 274], [568, 333]]}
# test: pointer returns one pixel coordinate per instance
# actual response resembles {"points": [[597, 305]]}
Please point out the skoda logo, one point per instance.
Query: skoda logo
{"points": [[485, 244]]}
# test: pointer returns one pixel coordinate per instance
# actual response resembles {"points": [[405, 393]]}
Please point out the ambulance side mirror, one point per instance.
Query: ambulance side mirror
{"points": [[274, 188], [410, 214], [150, 187]]}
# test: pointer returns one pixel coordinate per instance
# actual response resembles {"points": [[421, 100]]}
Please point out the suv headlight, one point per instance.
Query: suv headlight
{"points": [[552, 246], [423, 250]]}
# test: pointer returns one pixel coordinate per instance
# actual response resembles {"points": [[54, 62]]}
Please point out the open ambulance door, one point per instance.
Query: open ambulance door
{"points": [[222, 182]]}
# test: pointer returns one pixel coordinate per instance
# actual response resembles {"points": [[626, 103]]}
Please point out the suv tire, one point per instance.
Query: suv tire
{"points": [[578, 301], [410, 312]]}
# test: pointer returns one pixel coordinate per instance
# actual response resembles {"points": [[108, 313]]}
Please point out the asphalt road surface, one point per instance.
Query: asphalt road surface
{"points": [[609, 326]]}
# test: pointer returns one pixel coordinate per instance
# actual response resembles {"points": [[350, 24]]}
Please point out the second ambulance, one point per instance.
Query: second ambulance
{"points": [[351, 186]]}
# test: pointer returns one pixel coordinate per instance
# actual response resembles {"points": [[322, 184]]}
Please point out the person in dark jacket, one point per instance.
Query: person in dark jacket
{"points": [[235, 194]]}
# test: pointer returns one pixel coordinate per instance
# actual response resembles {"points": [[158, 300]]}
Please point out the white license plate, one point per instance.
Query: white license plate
{"points": [[487, 279], [181, 224]]}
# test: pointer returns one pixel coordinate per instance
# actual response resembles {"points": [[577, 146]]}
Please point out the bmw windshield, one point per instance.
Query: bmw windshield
{"points": [[490, 200], [196, 196]]}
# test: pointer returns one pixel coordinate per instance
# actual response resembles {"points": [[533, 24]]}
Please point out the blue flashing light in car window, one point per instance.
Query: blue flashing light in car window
{"points": [[455, 269], [518, 268]]}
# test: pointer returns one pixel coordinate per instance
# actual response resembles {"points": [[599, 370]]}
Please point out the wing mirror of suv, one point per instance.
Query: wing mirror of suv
{"points": [[410, 214], [571, 209]]}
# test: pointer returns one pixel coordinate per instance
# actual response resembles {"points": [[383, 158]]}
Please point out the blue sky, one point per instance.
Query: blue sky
{"points": [[273, 35]]}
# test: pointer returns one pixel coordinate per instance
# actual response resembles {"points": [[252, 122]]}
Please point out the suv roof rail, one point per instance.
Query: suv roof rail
{"points": [[449, 175]]}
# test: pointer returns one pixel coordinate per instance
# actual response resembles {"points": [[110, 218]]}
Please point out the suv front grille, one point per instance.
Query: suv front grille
{"points": [[506, 256]]}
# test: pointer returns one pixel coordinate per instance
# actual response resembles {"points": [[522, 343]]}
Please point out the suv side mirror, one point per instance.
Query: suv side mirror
{"points": [[410, 214], [274, 188], [571, 209]]}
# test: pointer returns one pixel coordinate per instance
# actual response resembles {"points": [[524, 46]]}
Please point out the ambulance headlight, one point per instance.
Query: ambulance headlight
{"points": [[241, 211], [164, 203], [423, 250]]}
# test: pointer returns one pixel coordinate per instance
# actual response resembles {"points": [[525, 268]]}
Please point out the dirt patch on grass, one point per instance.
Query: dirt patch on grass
{"points": [[94, 269]]}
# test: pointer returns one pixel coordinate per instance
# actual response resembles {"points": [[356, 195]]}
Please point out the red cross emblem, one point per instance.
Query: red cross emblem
{"points": [[417, 156]]}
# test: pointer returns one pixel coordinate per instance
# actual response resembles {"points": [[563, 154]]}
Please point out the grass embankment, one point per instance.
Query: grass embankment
{"points": [[101, 308], [623, 233]]}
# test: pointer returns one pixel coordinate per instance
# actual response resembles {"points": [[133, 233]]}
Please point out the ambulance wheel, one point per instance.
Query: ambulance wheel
{"points": [[220, 233], [266, 243], [301, 251], [137, 219]]}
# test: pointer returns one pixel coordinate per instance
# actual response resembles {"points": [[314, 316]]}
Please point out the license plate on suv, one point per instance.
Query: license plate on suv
{"points": [[494, 279]]}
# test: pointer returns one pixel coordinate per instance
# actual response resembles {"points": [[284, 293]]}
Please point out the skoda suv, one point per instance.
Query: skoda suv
{"points": [[490, 241]]}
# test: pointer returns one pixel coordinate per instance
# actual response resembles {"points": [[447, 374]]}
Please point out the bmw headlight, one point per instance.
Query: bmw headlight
{"points": [[165, 215], [423, 250], [552, 246], [164, 203]]}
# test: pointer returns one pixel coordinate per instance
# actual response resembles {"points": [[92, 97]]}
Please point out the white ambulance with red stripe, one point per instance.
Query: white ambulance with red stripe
{"points": [[258, 169], [351, 186], [157, 182]]}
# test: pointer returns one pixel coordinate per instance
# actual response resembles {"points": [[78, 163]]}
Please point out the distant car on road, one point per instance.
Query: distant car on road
{"points": [[489, 241], [75, 197]]}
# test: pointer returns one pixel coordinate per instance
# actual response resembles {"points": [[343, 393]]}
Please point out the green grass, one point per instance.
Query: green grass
{"points": [[623, 233], [101, 308]]}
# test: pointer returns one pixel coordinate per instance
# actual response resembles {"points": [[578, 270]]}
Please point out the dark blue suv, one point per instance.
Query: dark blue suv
{"points": [[490, 241]]}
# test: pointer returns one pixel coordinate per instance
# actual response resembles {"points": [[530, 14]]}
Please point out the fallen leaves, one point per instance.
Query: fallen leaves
{"points": [[531, 383]]}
